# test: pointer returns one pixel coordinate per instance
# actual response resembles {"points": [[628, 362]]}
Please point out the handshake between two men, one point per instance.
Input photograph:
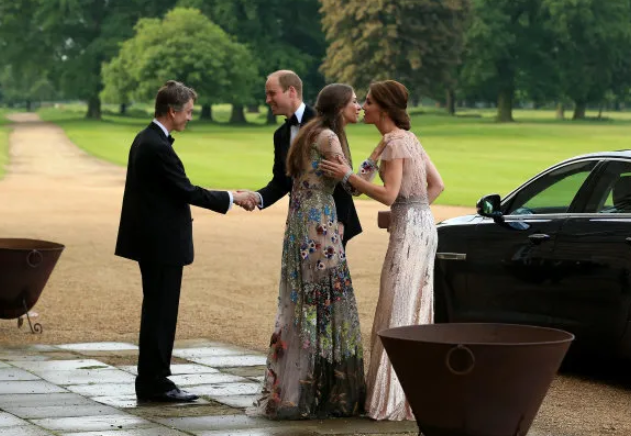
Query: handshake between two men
{"points": [[248, 200]]}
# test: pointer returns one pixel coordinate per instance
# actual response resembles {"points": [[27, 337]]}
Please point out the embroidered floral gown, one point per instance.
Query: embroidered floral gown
{"points": [[315, 365], [406, 289]]}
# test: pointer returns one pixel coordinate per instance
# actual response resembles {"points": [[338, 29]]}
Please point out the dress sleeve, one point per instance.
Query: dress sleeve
{"points": [[331, 148], [330, 145]]}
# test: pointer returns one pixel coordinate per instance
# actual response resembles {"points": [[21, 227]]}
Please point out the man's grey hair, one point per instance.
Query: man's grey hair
{"points": [[173, 95]]}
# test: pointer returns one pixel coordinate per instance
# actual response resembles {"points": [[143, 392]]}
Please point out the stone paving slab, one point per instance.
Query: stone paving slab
{"points": [[231, 361], [237, 401], [103, 389], [189, 353], [204, 379], [9, 420], [60, 365], [290, 431], [43, 400], [28, 387], [148, 431], [246, 371], [99, 346], [25, 430], [225, 389], [129, 402], [33, 412], [87, 376], [178, 369], [16, 374], [13, 356], [91, 423], [224, 423]]}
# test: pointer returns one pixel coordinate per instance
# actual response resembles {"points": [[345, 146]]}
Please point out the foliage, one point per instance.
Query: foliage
{"points": [[415, 41], [184, 46]]}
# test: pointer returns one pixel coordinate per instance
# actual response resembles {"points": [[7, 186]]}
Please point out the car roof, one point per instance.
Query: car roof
{"points": [[625, 154]]}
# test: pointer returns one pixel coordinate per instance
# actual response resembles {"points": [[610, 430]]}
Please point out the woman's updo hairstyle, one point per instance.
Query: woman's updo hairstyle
{"points": [[392, 97]]}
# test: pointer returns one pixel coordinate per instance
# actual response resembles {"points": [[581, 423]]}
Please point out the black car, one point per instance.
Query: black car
{"points": [[554, 252]]}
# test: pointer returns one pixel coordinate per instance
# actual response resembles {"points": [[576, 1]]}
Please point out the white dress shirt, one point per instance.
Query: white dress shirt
{"points": [[166, 133], [293, 130]]}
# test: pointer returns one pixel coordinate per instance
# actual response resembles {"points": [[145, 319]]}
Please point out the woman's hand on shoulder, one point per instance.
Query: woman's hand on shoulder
{"points": [[335, 167]]}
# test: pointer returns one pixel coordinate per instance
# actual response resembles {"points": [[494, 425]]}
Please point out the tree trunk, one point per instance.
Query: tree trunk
{"points": [[29, 105], [237, 116], [253, 109], [579, 110], [600, 111], [616, 105], [123, 109], [94, 108], [451, 101], [505, 106], [271, 118], [560, 115], [207, 112]]}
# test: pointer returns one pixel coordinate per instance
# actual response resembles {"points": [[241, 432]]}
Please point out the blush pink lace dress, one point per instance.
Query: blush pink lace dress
{"points": [[406, 289]]}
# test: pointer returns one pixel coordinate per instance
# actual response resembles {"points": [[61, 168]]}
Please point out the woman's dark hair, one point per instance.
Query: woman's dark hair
{"points": [[392, 98], [329, 105]]}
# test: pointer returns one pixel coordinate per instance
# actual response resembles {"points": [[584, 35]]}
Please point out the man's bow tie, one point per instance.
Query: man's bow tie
{"points": [[293, 120]]}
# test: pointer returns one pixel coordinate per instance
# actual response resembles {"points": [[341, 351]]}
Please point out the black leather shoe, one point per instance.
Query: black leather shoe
{"points": [[173, 396]]}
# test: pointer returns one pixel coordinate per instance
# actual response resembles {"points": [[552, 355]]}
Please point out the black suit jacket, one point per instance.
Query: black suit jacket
{"points": [[156, 224], [280, 184]]}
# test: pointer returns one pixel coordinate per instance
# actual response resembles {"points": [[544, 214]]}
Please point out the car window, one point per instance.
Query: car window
{"points": [[553, 192], [612, 192]]}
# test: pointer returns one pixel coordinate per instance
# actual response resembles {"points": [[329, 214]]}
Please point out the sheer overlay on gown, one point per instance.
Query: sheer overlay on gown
{"points": [[315, 366], [406, 288]]}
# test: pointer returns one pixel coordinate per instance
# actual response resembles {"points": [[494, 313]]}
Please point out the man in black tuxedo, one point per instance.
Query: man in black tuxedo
{"points": [[156, 231], [283, 91]]}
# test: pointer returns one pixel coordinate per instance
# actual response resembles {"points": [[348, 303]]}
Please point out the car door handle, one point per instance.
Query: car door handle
{"points": [[538, 238]]}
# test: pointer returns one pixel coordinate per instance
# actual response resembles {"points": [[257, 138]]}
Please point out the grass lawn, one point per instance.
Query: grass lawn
{"points": [[475, 155]]}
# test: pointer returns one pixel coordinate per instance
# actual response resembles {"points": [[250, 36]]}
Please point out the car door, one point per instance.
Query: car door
{"points": [[509, 262], [593, 258]]}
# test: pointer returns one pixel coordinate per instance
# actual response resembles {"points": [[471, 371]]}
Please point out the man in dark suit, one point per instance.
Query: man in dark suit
{"points": [[283, 91], [156, 231]]}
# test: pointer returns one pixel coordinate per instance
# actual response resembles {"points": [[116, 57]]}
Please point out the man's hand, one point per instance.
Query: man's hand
{"points": [[246, 199]]}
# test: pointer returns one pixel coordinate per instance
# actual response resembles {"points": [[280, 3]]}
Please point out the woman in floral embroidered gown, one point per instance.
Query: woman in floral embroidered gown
{"points": [[315, 366], [411, 183]]}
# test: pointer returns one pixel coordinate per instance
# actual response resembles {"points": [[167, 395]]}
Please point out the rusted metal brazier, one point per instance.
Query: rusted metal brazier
{"points": [[475, 379], [25, 266]]}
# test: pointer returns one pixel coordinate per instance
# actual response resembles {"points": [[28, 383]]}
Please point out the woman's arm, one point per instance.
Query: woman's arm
{"points": [[435, 185], [386, 194]]}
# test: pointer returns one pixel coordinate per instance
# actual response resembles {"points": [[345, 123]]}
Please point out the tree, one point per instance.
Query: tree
{"points": [[26, 55], [77, 36], [118, 86], [505, 49], [280, 35], [26, 86], [592, 46], [184, 46], [415, 41]]}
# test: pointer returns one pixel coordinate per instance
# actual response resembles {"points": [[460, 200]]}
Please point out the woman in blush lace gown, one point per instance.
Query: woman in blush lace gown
{"points": [[315, 363], [411, 183]]}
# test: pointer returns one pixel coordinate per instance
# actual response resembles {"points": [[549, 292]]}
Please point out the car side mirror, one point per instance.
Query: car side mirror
{"points": [[489, 206]]}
